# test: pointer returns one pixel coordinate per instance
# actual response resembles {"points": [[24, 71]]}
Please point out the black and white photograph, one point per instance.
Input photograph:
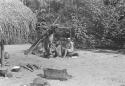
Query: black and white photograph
{"points": [[62, 42]]}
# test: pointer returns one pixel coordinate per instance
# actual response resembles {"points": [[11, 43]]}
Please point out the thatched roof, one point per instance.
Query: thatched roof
{"points": [[16, 21]]}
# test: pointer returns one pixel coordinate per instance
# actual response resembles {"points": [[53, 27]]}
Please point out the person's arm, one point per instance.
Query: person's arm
{"points": [[71, 49], [72, 46]]}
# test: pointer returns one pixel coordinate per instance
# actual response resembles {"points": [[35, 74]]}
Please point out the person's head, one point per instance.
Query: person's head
{"points": [[69, 39]]}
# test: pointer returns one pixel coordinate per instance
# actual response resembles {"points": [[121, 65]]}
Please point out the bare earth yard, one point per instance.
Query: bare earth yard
{"points": [[89, 69]]}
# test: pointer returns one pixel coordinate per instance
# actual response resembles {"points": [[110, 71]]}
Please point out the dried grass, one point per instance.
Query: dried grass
{"points": [[16, 21]]}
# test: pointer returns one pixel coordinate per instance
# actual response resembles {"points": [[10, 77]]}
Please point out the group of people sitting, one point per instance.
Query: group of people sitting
{"points": [[52, 48], [60, 49], [63, 50]]}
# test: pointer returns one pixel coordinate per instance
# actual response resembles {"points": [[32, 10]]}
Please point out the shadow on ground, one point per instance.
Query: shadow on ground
{"points": [[118, 51]]}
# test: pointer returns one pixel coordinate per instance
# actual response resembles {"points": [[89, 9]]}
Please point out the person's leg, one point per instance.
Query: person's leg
{"points": [[59, 50], [69, 54], [65, 52], [47, 51], [75, 54]]}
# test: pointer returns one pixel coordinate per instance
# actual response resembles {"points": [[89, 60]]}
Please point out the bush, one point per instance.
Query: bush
{"points": [[94, 23]]}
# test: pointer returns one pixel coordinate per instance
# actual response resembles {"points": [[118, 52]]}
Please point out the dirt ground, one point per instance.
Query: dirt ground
{"points": [[91, 68]]}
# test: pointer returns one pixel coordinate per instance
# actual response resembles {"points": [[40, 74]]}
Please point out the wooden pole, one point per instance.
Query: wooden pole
{"points": [[2, 52], [33, 47]]}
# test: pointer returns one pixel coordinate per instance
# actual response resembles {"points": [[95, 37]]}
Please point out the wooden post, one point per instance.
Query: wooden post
{"points": [[2, 53], [33, 47]]}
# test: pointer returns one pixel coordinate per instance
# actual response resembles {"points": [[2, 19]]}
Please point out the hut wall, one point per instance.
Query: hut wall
{"points": [[16, 22]]}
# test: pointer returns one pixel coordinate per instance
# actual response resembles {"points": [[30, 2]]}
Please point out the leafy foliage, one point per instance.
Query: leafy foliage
{"points": [[94, 23]]}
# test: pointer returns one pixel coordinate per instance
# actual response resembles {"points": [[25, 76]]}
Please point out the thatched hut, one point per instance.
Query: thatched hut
{"points": [[16, 21]]}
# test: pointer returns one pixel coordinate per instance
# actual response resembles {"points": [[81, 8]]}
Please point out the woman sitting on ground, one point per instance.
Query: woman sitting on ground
{"points": [[69, 48]]}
